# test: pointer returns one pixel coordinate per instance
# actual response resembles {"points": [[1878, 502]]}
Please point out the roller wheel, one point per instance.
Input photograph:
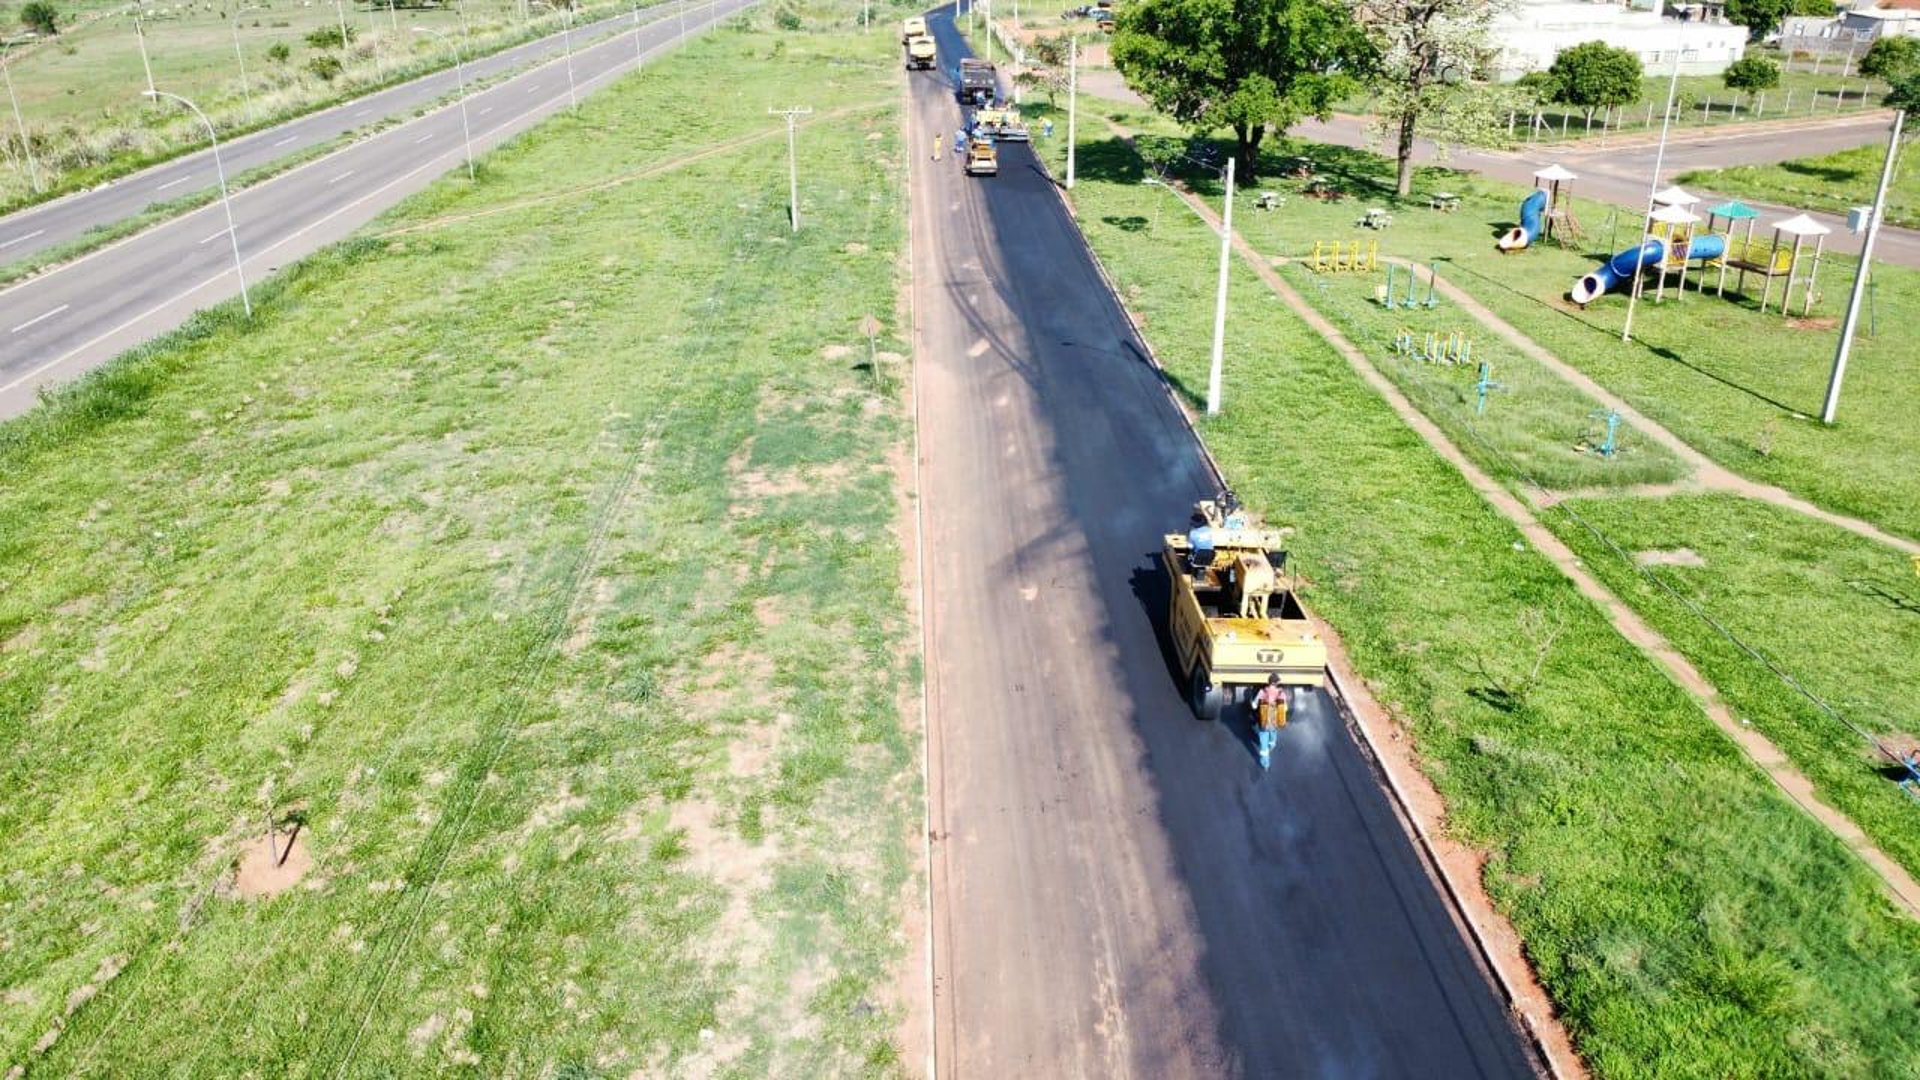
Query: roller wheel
{"points": [[1207, 699]]}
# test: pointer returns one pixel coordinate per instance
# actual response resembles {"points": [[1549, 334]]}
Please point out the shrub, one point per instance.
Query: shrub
{"points": [[40, 15], [787, 19], [278, 52], [326, 67], [329, 37]]}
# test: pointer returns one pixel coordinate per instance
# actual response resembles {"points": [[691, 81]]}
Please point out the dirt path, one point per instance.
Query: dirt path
{"points": [[1901, 886], [1708, 475]]}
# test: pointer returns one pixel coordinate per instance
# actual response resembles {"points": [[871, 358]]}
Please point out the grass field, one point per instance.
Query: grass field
{"points": [[540, 574], [1686, 919], [1735, 383], [1840, 613], [80, 92], [1833, 182]]}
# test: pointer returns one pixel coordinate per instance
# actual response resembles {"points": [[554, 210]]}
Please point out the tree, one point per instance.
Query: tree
{"points": [[1247, 65], [1905, 96], [278, 52], [41, 17], [1594, 75], [1428, 52], [1762, 17], [1752, 73], [1050, 72], [1892, 58]]}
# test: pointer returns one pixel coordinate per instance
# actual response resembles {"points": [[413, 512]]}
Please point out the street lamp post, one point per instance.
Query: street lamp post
{"points": [[246, 89], [140, 35], [638, 56], [26, 144], [1659, 157], [1073, 101], [1220, 299], [220, 171], [793, 116], [460, 81], [1852, 320], [573, 96]]}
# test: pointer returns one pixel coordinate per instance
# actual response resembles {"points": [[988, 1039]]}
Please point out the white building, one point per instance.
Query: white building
{"points": [[1889, 18], [1533, 32]]}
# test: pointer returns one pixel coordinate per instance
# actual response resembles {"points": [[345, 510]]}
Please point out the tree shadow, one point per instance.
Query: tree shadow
{"points": [[1131, 223]]}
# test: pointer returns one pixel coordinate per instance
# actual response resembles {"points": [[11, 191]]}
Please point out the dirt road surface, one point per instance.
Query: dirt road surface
{"points": [[1119, 890]]}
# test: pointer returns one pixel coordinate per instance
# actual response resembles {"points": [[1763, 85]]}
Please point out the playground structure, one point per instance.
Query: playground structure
{"points": [[1546, 213], [1345, 257], [1450, 348], [1386, 296], [1673, 244]]}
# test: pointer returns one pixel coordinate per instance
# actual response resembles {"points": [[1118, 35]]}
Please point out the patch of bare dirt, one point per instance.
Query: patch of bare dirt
{"points": [[1673, 557], [766, 611], [22, 640], [266, 870], [1820, 322]]}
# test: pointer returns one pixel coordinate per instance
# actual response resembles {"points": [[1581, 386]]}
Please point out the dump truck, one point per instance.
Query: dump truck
{"points": [[982, 158], [1233, 617], [978, 85], [920, 53], [1002, 123], [912, 27]]}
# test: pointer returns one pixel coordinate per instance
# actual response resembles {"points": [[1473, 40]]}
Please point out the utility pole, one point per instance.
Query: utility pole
{"points": [[339, 10], [989, 31], [1073, 100], [1860, 275], [140, 33], [638, 55], [1659, 158], [1220, 299], [793, 116], [26, 144], [245, 89], [460, 74]]}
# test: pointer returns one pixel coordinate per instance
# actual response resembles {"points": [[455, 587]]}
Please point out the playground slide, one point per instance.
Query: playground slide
{"points": [[1529, 228], [1620, 269]]}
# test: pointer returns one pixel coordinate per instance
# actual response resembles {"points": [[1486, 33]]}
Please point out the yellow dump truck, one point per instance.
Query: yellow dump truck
{"points": [[912, 27], [1232, 616], [920, 53]]}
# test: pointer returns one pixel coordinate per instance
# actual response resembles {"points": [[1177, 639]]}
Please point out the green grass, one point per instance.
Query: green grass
{"points": [[1738, 385], [548, 579], [1833, 182], [1839, 613], [80, 92], [1686, 919]]}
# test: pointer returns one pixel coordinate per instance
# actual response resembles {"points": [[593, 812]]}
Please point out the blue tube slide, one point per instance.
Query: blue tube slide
{"points": [[1622, 267], [1528, 230]]}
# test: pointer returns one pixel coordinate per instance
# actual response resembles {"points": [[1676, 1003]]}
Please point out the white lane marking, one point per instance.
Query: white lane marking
{"points": [[286, 140], [214, 237], [533, 89], [363, 112], [40, 318], [423, 138], [486, 110], [19, 239], [339, 178], [174, 183]]}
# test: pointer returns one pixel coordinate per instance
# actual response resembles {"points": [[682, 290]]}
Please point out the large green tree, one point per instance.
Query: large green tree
{"points": [[1905, 96], [1247, 65], [1594, 75], [1429, 55], [1892, 58], [1751, 74], [1762, 17]]}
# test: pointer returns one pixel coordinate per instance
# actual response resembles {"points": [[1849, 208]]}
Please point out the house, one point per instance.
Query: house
{"points": [[1532, 32], [1888, 18]]}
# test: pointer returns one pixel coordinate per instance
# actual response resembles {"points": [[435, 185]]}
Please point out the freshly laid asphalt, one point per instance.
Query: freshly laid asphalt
{"points": [[1119, 890], [37, 228], [75, 317]]}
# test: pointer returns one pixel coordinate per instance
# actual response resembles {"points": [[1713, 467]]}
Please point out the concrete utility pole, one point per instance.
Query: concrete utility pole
{"points": [[1659, 158], [639, 56], [220, 171], [140, 34], [26, 144], [460, 77], [793, 116], [1220, 299], [1860, 275], [1073, 101], [573, 97]]}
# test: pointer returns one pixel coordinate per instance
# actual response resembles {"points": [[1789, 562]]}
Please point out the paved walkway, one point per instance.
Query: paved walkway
{"points": [[1901, 886]]}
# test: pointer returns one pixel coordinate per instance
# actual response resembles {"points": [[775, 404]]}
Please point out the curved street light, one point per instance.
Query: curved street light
{"points": [[246, 88], [26, 144], [573, 96], [225, 201], [460, 75]]}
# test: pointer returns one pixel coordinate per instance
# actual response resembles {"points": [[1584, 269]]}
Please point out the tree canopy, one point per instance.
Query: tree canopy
{"points": [[1892, 58], [1247, 65], [1751, 73], [1594, 75], [1762, 17], [1428, 54], [1905, 96]]}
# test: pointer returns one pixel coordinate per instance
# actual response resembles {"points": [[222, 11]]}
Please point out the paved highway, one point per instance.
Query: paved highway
{"points": [[37, 228], [73, 318], [1119, 890]]}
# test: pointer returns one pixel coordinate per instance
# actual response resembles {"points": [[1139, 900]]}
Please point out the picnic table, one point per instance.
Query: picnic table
{"points": [[1321, 187], [1444, 201], [1268, 200], [1376, 217]]}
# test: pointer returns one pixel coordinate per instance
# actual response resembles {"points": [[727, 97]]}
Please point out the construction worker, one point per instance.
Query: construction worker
{"points": [[1200, 540], [1269, 716], [960, 142]]}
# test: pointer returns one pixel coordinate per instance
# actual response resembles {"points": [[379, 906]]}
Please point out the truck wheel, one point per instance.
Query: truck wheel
{"points": [[1207, 699]]}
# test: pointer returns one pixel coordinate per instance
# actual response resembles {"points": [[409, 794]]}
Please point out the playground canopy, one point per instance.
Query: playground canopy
{"points": [[1675, 196], [1733, 210], [1554, 172], [1672, 214], [1801, 225]]}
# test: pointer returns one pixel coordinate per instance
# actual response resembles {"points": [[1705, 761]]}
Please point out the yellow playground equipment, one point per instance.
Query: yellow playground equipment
{"points": [[1342, 257]]}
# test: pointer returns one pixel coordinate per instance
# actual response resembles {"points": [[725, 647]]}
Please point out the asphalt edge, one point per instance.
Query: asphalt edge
{"points": [[1341, 697]]}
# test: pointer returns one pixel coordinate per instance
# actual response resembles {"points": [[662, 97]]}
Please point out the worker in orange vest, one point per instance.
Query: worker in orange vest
{"points": [[1270, 715]]}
